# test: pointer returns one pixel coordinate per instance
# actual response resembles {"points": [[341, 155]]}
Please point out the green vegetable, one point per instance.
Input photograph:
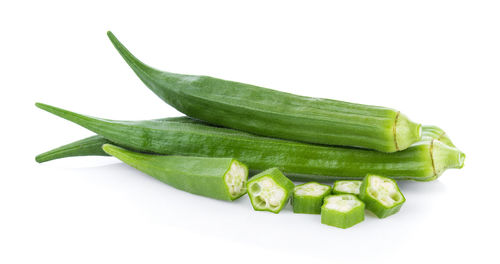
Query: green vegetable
{"points": [[269, 190], [219, 178], [342, 210], [308, 197], [91, 146], [424, 161], [277, 114], [346, 187], [434, 132], [381, 195]]}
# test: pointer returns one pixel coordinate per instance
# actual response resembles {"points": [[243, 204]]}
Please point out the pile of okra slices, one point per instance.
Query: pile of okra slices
{"points": [[231, 128]]}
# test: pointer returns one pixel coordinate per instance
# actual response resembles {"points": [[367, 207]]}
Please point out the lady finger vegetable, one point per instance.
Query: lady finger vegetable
{"points": [[219, 178], [308, 197], [434, 132], [381, 195], [346, 187], [342, 210], [92, 145], [272, 113], [424, 161], [269, 190]]}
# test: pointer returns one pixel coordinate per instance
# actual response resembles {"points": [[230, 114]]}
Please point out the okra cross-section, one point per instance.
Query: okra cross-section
{"points": [[219, 178], [346, 187], [342, 210], [269, 190], [308, 197], [381, 195]]}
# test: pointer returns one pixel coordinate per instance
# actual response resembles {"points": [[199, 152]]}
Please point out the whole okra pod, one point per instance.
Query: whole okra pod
{"points": [[423, 161], [273, 113]]}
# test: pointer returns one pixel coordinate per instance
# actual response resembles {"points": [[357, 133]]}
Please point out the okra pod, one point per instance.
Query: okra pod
{"points": [[269, 190], [434, 132], [423, 161], [218, 178], [342, 210], [91, 146], [308, 197], [381, 195], [346, 187], [272, 113]]}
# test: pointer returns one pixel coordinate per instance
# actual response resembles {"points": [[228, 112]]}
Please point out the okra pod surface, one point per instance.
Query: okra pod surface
{"points": [[218, 178], [342, 210], [272, 113], [423, 161], [308, 197]]}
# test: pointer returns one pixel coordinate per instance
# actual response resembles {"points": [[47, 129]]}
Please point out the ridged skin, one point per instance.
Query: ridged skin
{"points": [[308, 204], [277, 114], [198, 175], [434, 132], [90, 146], [299, 161]]}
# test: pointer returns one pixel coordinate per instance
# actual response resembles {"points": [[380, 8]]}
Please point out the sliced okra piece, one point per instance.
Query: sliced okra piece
{"points": [[346, 187], [269, 190], [342, 210], [308, 197], [381, 195]]}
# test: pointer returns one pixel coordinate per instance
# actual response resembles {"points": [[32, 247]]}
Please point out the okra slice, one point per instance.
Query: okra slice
{"points": [[346, 187], [381, 195], [308, 197], [342, 210], [269, 190]]}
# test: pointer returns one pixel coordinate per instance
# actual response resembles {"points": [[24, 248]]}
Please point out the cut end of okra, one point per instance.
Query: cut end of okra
{"points": [[406, 132], [308, 197], [381, 195], [342, 210], [346, 187], [236, 179], [269, 190]]}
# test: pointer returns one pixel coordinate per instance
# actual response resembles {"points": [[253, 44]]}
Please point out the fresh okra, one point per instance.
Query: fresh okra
{"points": [[342, 210], [308, 197], [269, 190], [346, 187], [423, 161], [271, 113], [219, 178], [381, 195]]}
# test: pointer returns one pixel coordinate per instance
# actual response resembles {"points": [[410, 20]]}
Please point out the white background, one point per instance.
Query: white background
{"points": [[436, 61]]}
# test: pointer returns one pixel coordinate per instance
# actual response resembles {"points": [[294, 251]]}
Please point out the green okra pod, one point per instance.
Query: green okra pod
{"points": [[218, 178], [346, 187], [423, 161], [91, 146], [434, 132], [308, 197], [269, 190], [381, 195], [342, 210], [272, 113]]}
